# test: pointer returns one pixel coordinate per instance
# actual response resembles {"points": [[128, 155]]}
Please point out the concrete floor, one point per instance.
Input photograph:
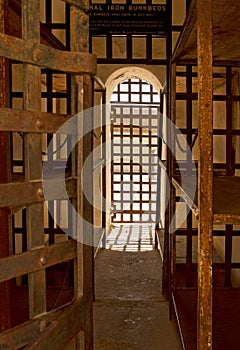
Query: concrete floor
{"points": [[130, 313]]}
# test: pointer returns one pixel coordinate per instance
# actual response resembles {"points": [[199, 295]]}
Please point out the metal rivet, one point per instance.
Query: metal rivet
{"points": [[43, 260], [39, 124], [40, 192]]}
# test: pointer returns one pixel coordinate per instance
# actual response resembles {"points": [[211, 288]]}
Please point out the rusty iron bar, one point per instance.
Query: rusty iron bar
{"points": [[205, 171], [226, 219], [45, 56], [21, 194], [37, 259], [33, 155], [82, 88], [32, 121]]}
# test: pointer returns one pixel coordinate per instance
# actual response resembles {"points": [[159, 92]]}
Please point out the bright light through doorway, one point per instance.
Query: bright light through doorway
{"points": [[131, 238]]}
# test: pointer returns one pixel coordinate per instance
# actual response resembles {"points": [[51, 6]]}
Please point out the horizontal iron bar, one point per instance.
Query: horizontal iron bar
{"points": [[226, 219], [23, 193], [28, 121], [44, 56], [37, 259]]}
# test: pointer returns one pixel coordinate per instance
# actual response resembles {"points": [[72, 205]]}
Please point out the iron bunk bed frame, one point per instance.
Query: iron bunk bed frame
{"points": [[205, 303]]}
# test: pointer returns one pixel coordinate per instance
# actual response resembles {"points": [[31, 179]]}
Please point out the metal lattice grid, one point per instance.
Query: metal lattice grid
{"points": [[135, 114]]}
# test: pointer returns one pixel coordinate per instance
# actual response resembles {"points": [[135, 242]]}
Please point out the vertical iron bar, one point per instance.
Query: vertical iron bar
{"points": [[83, 92], [33, 156], [205, 171]]}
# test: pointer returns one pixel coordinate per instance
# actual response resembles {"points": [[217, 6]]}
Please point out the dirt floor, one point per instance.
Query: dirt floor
{"points": [[130, 313]]}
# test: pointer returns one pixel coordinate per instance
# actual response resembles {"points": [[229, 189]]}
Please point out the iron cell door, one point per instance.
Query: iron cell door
{"points": [[134, 114]]}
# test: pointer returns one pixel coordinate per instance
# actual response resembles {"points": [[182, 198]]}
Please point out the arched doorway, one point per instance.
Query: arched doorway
{"points": [[127, 236], [135, 112]]}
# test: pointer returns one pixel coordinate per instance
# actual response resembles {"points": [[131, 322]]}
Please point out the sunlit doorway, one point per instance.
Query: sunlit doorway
{"points": [[135, 111]]}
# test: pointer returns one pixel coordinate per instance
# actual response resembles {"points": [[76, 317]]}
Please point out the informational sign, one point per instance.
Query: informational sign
{"points": [[123, 19]]}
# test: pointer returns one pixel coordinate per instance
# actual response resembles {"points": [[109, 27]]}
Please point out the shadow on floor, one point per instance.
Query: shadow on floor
{"points": [[130, 313]]}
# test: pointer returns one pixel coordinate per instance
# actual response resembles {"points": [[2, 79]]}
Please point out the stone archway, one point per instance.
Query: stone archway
{"points": [[113, 80]]}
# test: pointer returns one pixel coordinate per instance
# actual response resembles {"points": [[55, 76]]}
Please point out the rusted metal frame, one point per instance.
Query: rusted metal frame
{"points": [[226, 219], [84, 264], [205, 171], [31, 121], [37, 259], [33, 155], [15, 195], [45, 56], [5, 288]]}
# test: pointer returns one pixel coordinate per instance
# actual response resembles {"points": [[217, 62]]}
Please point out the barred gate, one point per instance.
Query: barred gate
{"points": [[47, 326]]}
